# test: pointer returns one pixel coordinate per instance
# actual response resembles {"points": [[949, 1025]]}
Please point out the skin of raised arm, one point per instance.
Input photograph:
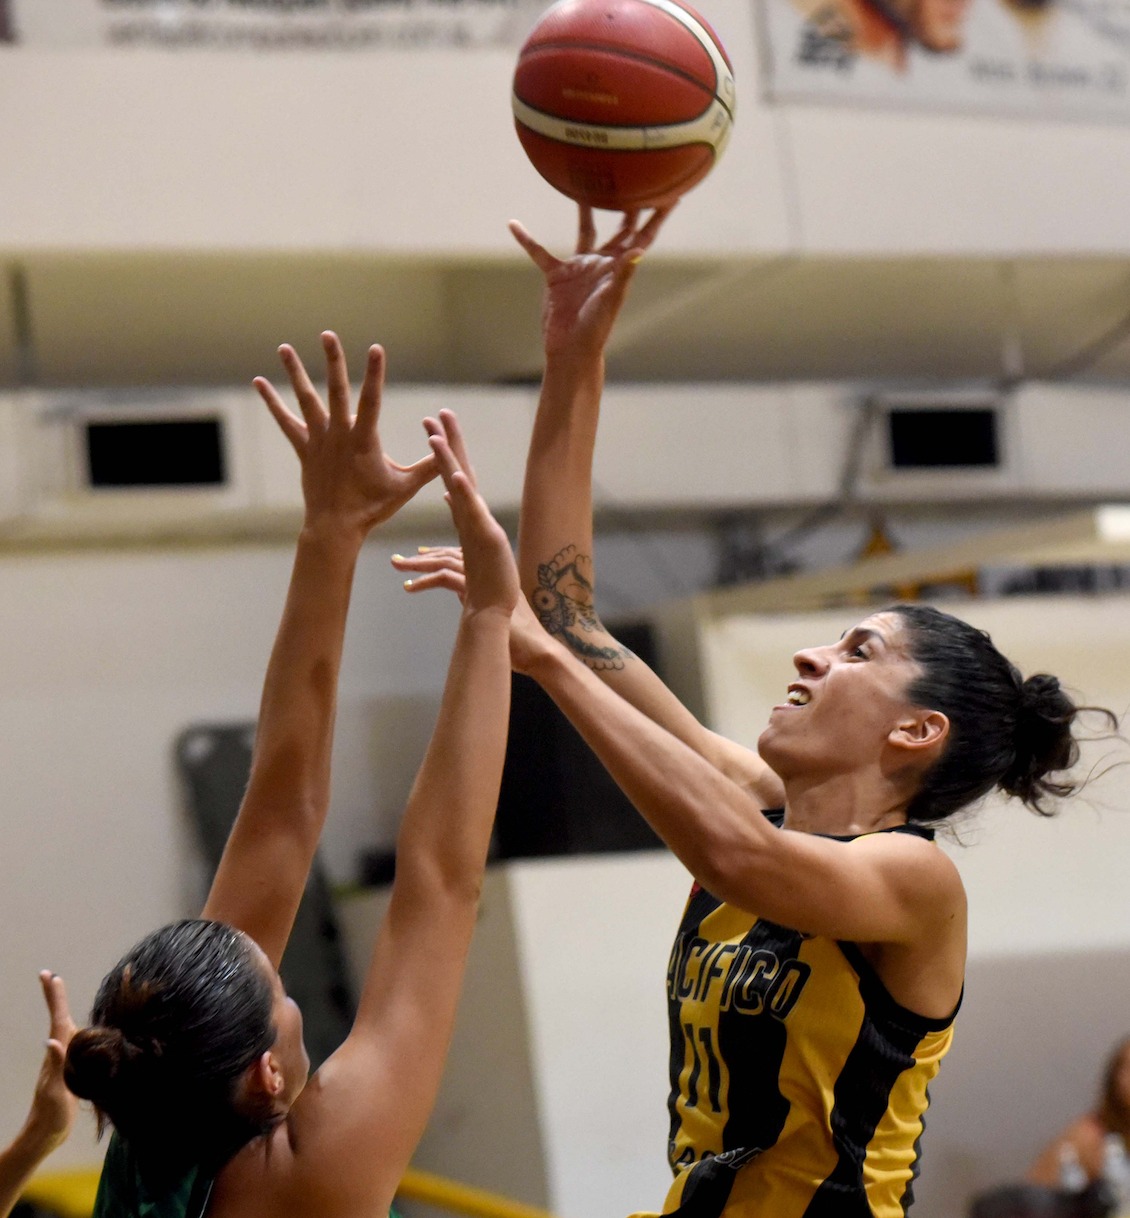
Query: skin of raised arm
{"points": [[366, 1109], [53, 1107], [583, 296], [880, 888], [349, 485]]}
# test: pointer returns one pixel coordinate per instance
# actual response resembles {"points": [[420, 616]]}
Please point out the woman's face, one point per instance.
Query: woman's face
{"points": [[847, 698]]}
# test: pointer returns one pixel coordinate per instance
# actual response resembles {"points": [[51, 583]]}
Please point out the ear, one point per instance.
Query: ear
{"points": [[265, 1076], [922, 732]]}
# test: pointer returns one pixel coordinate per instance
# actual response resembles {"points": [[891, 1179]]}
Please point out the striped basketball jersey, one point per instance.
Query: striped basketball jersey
{"points": [[798, 1084]]}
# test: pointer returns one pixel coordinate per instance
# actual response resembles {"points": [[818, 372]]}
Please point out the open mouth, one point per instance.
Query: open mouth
{"points": [[798, 696]]}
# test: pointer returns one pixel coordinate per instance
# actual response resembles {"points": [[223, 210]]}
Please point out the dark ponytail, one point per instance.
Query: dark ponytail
{"points": [[175, 1025], [1044, 745], [1005, 732]]}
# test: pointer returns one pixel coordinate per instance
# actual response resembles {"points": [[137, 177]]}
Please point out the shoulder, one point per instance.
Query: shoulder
{"points": [[914, 864], [320, 1161]]}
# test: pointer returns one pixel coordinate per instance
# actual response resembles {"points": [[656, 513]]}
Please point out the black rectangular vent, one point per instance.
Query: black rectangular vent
{"points": [[957, 438], [155, 452]]}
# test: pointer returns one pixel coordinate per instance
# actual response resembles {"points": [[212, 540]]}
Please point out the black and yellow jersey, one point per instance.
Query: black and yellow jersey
{"points": [[798, 1084]]}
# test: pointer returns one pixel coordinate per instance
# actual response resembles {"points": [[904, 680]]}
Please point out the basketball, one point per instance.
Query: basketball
{"points": [[623, 103]]}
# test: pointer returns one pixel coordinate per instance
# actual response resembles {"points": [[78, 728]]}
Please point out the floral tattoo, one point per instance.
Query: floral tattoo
{"points": [[563, 601]]}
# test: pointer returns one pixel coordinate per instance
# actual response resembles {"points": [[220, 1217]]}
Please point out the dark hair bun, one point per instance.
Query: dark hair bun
{"points": [[1044, 743], [96, 1059]]}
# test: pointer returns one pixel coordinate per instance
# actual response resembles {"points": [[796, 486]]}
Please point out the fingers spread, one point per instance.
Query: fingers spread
{"points": [[293, 428], [453, 581], [624, 234], [369, 403], [539, 255], [650, 230], [337, 378], [586, 230], [455, 438], [308, 400], [447, 559]]}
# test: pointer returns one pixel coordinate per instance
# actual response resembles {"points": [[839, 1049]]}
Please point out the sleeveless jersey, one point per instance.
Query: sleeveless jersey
{"points": [[798, 1084], [122, 1192]]}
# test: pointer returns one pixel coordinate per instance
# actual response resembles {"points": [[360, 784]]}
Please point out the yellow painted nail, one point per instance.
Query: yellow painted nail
{"points": [[423, 549]]}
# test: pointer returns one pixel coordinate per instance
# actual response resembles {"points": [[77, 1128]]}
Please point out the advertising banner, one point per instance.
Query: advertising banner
{"points": [[1047, 58], [267, 25]]}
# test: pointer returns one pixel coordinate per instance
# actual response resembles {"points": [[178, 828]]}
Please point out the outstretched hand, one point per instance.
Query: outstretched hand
{"points": [[346, 475], [488, 575], [53, 1107], [443, 567], [584, 293]]}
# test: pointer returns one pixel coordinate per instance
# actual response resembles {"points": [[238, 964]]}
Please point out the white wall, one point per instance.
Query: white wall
{"points": [[204, 150], [594, 935], [317, 157]]}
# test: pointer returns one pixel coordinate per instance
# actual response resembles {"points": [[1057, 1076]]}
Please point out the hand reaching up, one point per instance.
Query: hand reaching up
{"points": [[53, 1107], [583, 293], [489, 575], [346, 475]]}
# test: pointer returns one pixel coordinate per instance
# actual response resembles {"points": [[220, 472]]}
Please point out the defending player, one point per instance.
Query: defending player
{"points": [[195, 1052]]}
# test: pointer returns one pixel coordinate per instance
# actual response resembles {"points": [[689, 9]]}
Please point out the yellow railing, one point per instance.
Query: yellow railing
{"points": [[71, 1195], [462, 1198]]}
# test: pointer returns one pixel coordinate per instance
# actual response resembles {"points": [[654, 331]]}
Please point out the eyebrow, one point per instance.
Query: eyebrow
{"points": [[862, 634]]}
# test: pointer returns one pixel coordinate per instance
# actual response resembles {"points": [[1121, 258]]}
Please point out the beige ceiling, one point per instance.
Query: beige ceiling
{"points": [[140, 319]]}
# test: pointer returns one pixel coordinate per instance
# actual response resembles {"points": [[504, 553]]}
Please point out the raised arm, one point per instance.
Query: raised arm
{"points": [[891, 889], [348, 485], [360, 1118], [52, 1107], [583, 295]]}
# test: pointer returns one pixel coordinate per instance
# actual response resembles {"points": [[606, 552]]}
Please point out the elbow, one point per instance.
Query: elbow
{"points": [[725, 867], [441, 881]]}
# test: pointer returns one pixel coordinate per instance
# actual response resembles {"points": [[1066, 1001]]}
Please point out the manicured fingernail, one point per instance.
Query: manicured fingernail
{"points": [[423, 549], [398, 558], [635, 258], [408, 583]]}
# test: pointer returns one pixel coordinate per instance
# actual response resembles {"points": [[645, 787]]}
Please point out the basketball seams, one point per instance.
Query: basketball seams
{"points": [[661, 61], [723, 73], [629, 136], [709, 94]]}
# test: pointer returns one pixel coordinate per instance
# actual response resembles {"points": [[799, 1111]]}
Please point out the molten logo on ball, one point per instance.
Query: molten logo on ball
{"points": [[623, 103]]}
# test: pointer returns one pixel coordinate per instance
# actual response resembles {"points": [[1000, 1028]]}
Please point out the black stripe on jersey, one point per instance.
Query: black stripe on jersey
{"points": [[907, 1198], [753, 1048], [862, 1090], [700, 906], [709, 1185], [884, 1048]]}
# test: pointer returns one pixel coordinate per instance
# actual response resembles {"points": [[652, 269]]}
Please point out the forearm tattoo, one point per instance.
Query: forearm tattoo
{"points": [[563, 601]]}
